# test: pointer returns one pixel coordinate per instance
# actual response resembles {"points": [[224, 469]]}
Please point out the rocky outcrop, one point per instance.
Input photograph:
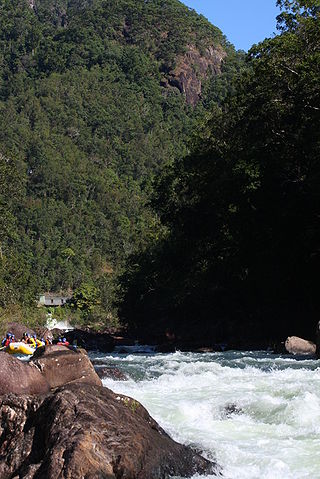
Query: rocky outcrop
{"points": [[18, 329], [193, 68], [18, 377], [90, 340], [112, 373], [84, 431], [60, 365], [295, 345]]}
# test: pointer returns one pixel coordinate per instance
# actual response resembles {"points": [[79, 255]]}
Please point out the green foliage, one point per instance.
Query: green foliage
{"points": [[31, 317], [241, 256], [85, 298], [85, 128]]}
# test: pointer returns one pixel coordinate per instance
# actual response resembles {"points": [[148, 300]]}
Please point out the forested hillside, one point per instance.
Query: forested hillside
{"points": [[241, 257], [96, 98]]}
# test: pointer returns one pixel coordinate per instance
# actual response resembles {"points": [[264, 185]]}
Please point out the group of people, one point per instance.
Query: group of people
{"points": [[9, 338], [27, 338], [32, 340]]}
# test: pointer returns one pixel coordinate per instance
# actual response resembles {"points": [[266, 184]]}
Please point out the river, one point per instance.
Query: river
{"points": [[256, 414]]}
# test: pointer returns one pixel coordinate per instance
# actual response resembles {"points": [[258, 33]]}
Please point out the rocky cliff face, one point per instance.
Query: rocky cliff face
{"points": [[153, 29], [193, 68]]}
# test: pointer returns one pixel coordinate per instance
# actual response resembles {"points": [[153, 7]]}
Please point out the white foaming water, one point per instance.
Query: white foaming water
{"points": [[256, 414], [53, 323]]}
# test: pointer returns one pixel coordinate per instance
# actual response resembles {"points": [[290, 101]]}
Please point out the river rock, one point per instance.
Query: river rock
{"points": [[295, 345], [61, 365], [90, 340], [19, 378], [44, 351], [318, 340], [112, 373], [18, 329], [85, 431], [231, 409]]}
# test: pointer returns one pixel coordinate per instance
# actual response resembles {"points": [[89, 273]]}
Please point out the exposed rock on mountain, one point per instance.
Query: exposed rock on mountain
{"points": [[193, 68]]}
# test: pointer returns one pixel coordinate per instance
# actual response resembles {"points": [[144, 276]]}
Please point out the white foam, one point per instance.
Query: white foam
{"points": [[53, 323], [275, 433]]}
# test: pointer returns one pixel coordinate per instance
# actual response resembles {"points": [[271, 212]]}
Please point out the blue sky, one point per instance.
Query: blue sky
{"points": [[244, 22]]}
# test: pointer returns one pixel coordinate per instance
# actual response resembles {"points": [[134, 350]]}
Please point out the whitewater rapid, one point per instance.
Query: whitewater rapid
{"points": [[256, 414]]}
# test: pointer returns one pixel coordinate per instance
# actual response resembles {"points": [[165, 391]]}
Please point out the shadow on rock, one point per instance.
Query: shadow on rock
{"points": [[87, 431]]}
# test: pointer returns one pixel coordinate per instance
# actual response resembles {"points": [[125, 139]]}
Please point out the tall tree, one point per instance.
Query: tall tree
{"points": [[241, 255]]}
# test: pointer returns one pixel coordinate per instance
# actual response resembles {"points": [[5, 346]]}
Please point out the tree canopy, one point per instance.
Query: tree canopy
{"points": [[88, 119], [241, 254]]}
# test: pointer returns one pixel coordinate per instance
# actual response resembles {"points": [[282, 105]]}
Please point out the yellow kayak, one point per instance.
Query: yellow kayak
{"points": [[19, 348]]}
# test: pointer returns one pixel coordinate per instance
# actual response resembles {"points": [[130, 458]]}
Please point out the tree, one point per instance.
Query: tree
{"points": [[242, 210]]}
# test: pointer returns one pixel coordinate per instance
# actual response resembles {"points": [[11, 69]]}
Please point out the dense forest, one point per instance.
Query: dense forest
{"points": [[240, 259], [157, 175], [96, 98]]}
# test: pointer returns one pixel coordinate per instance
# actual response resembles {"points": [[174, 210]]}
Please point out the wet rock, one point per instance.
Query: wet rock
{"points": [[45, 333], [295, 345], [231, 409], [112, 373], [90, 340], [60, 365], [166, 348], [18, 377], [318, 340], [84, 431], [57, 333]]}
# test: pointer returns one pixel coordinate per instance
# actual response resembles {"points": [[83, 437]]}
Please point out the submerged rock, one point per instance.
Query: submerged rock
{"points": [[231, 409], [19, 378], [295, 345], [60, 365], [113, 373], [85, 431]]}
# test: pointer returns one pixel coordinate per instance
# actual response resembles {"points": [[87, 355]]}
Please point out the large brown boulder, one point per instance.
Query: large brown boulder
{"points": [[18, 329], [84, 431], [60, 365], [90, 340], [19, 378], [295, 345]]}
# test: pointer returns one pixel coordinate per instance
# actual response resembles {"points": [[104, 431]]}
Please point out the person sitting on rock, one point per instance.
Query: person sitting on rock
{"points": [[63, 342]]}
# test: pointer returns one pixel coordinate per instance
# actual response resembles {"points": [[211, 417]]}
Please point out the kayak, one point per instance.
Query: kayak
{"points": [[20, 348]]}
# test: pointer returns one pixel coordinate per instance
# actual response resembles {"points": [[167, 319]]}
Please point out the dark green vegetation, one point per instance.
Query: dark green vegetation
{"points": [[113, 167], [241, 258], [90, 112]]}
